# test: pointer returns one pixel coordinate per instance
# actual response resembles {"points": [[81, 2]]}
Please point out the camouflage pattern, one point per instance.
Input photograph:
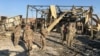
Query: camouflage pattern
{"points": [[17, 34], [62, 32], [43, 40], [43, 36], [71, 34], [28, 37]]}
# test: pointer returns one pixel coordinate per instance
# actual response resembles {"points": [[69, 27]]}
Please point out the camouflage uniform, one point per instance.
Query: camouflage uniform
{"points": [[17, 34], [43, 36], [62, 32], [28, 37], [71, 34]]}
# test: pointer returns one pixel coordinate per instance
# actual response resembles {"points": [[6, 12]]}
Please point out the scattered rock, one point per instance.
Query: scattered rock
{"points": [[51, 51], [12, 54]]}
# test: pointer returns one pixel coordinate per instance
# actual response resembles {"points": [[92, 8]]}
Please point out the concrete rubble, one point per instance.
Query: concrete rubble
{"points": [[53, 48]]}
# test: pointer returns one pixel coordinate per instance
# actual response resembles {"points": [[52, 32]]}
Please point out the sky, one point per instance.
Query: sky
{"points": [[18, 7]]}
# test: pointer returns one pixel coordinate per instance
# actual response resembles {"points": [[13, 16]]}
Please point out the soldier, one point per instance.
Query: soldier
{"points": [[62, 31], [17, 34], [43, 35], [28, 38], [71, 34]]}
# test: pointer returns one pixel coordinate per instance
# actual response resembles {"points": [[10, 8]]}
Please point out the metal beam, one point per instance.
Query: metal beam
{"points": [[56, 5]]}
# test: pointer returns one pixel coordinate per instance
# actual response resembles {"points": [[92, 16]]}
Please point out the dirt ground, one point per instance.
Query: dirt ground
{"points": [[54, 47]]}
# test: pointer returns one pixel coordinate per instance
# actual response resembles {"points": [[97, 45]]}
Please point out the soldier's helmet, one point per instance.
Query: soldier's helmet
{"points": [[27, 26]]}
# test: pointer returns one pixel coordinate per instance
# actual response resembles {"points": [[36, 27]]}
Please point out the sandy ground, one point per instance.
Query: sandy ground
{"points": [[54, 47]]}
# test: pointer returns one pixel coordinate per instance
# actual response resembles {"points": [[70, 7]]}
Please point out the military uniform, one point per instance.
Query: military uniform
{"points": [[17, 34], [71, 34], [43, 35], [28, 37], [62, 32]]}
